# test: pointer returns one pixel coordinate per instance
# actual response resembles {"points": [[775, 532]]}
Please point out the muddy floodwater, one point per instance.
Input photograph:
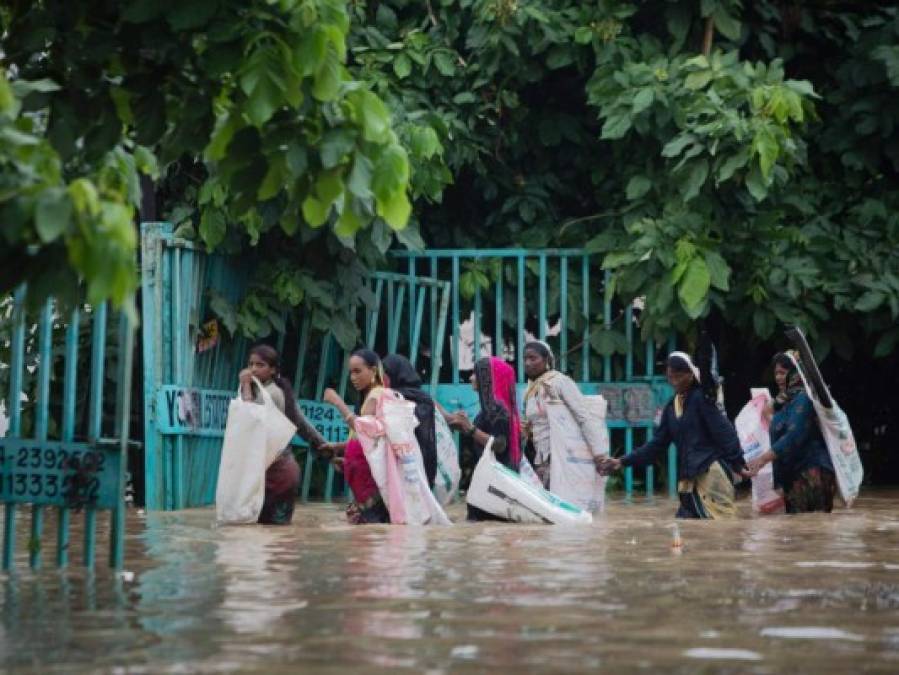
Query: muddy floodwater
{"points": [[806, 594]]}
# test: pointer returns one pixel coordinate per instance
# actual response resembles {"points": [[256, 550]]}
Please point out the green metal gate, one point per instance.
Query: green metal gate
{"points": [[563, 297], [186, 391], [65, 450]]}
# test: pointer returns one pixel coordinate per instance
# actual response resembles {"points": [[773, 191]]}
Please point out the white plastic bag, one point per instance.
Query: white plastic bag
{"points": [[840, 441], [500, 491], [752, 429], [448, 471], [572, 470], [241, 481]]}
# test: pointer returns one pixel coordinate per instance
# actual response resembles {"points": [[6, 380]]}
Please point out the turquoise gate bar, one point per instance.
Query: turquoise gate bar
{"points": [[54, 457], [535, 292]]}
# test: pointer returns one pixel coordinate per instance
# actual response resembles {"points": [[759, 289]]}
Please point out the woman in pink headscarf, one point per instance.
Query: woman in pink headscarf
{"points": [[494, 380]]}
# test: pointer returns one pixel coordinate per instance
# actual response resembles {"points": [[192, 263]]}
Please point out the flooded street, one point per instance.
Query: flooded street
{"points": [[811, 593]]}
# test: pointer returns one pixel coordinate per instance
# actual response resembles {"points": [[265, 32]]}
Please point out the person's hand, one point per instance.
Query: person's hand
{"points": [[746, 473], [331, 396], [246, 376], [606, 466], [337, 462], [460, 421], [756, 464], [328, 450], [525, 429]]}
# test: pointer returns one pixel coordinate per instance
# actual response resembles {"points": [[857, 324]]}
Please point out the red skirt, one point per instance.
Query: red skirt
{"points": [[357, 472]]}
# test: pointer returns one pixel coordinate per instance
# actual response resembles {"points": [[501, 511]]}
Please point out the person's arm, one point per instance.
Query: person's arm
{"points": [[647, 453], [466, 427], [589, 424], [723, 435], [800, 426], [309, 433]]}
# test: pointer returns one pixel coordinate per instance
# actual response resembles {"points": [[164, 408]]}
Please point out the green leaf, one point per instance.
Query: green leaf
{"points": [[212, 227], [297, 159], [696, 177], [870, 301], [444, 63], [274, 180], [676, 145], [616, 259], [335, 145], [395, 210], [225, 127], [887, 343], [326, 83], [344, 330], [756, 184], [183, 16], [359, 181], [616, 126], [607, 341], [424, 143], [402, 66], [52, 214], [719, 271], [727, 25], [637, 187], [264, 100], [698, 80], [391, 172], [643, 100], [766, 147], [145, 161], [315, 212], [348, 223], [731, 164], [583, 35], [410, 237], [374, 116], [694, 286]]}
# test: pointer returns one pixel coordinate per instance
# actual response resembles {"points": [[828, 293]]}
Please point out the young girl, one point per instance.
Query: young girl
{"points": [[367, 378], [283, 477]]}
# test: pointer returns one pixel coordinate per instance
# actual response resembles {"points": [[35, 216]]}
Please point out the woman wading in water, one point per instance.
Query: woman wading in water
{"points": [[367, 378], [802, 465], [707, 446], [282, 478]]}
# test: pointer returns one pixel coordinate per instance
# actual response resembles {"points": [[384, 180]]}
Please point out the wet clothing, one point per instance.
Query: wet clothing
{"points": [[710, 495], [405, 380], [802, 464], [282, 478], [812, 490], [702, 436]]}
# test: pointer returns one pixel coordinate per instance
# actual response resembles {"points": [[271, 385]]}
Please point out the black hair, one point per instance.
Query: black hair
{"points": [[372, 360], [784, 361], [679, 364]]}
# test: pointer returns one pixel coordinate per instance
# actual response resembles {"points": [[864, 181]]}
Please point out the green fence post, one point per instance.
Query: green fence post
{"points": [[68, 425], [42, 421], [126, 355], [563, 313], [498, 302], [14, 412], [519, 341], [585, 347], [454, 348], [541, 310]]}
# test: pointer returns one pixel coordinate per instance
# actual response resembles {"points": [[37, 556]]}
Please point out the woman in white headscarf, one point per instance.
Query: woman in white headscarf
{"points": [[707, 446], [567, 429]]}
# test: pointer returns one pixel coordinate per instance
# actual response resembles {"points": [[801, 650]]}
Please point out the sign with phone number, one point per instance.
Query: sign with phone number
{"points": [[204, 412], [58, 474]]}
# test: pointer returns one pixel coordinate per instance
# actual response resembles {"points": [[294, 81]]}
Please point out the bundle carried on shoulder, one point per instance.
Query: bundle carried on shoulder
{"points": [[501, 492]]}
